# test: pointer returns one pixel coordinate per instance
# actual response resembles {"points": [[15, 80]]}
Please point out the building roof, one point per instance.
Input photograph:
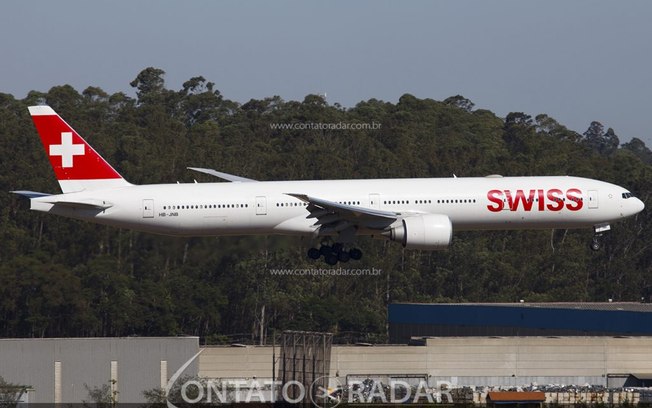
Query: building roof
{"points": [[408, 320], [513, 396], [608, 306]]}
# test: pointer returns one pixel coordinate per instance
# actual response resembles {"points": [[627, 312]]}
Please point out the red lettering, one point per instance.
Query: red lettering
{"points": [[574, 195], [541, 199], [551, 200], [495, 196], [510, 200], [520, 196], [555, 195]]}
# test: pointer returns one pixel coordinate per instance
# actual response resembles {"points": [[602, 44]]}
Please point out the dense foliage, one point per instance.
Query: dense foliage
{"points": [[62, 277]]}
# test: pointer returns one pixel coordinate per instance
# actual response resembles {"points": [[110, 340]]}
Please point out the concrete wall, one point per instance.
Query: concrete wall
{"points": [[237, 362], [539, 356], [462, 360], [135, 363]]}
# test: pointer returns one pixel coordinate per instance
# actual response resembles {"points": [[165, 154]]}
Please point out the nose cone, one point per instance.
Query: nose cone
{"points": [[637, 206], [632, 206]]}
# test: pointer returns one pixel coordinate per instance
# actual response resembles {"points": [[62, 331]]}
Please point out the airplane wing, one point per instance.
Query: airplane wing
{"points": [[224, 176], [334, 217]]}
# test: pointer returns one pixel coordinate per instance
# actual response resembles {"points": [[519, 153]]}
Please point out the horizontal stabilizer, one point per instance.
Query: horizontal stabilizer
{"points": [[99, 205], [55, 199], [80, 204], [30, 194], [223, 176]]}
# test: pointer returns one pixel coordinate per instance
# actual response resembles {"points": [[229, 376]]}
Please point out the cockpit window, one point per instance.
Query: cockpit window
{"points": [[628, 195]]}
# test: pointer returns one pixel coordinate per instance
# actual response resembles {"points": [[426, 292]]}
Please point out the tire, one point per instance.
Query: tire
{"points": [[325, 250], [313, 253], [331, 259]]}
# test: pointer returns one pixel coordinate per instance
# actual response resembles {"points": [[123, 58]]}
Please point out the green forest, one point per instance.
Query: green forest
{"points": [[62, 277]]}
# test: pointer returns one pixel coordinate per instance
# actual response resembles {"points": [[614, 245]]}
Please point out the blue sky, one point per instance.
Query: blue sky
{"points": [[577, 61]]}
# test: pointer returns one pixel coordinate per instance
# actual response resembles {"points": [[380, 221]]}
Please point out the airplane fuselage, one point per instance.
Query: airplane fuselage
{"points": [[483, 203]]}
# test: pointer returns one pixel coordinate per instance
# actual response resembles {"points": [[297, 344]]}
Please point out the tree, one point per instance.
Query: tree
{"points": [[104, 396], [149, 81], [11, 394], [639, 149], [549, 126], [600, 141], [460, 102]]}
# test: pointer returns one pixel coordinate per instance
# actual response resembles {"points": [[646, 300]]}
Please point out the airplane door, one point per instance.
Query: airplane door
{"points": [[261, 205], [374, 201], [148, 208], [593, 199]]}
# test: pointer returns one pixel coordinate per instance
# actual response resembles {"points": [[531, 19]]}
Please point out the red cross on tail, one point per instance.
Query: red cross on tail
{"points": [[76, 164]]}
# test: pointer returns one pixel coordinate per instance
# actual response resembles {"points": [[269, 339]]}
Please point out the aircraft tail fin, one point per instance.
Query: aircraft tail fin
{"points": [[77, 166]]}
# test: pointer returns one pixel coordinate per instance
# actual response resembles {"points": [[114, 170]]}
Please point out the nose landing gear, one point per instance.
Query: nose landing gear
{"points": [[598, 232]]}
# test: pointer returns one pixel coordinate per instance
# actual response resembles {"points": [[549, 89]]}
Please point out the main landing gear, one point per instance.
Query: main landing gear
{"points": [[598, 232], [334, 253]]}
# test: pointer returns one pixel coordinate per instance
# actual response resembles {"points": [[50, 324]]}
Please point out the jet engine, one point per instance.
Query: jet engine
{"points": [[429, 232]]}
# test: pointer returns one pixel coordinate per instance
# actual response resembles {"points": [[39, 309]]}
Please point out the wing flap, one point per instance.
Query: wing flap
{"points": [[344, 209], [331, 217]]}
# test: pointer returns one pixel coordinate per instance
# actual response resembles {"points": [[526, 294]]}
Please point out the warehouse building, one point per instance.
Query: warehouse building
{"points": [[463, 361], [408, 320], [63, 370]]}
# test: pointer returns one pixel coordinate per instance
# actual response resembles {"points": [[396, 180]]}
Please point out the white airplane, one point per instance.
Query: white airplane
{"points": [[417, 213]]}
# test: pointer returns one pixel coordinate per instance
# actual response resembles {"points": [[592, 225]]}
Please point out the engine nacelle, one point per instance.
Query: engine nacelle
{"points": [[429, 232]]}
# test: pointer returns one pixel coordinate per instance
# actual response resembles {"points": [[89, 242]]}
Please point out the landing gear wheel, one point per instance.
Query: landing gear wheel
{"points": [[355, 254], [313, 253], [325, 250], [343, 256], [331, 259], [598, 232]]}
